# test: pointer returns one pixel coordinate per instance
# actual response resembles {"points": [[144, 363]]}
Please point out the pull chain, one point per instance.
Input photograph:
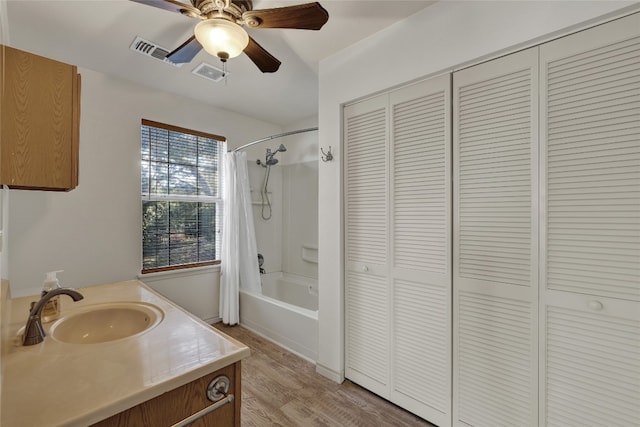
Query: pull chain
{"points": [[224, 72]]}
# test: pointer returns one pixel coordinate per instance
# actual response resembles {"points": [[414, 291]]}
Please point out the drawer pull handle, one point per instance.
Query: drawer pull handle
{"points": [[595, 305], [193, 418]]}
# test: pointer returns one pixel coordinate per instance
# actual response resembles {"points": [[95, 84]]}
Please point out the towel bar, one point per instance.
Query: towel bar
{"points": [[193, 418]]}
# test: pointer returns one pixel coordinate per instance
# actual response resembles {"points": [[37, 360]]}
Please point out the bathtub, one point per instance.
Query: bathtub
{"points": [[286, 313]]}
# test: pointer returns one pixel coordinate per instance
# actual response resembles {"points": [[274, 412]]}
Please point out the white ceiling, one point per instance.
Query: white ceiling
{"points": [[96, 34]]}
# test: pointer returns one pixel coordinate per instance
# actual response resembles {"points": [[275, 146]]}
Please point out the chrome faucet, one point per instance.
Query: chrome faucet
{"points": [[33, 331]]}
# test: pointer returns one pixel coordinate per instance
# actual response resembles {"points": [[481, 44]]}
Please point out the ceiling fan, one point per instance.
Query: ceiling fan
{"points": [[220, 31]]}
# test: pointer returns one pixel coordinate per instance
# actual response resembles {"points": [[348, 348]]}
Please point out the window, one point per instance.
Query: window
{"points": [[181, 197]]}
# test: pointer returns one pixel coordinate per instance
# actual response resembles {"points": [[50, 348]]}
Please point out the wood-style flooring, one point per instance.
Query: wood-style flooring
{"points": [[282, 389]]}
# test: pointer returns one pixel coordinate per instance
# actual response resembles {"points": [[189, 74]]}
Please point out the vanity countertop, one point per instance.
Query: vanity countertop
{"points": [[60, 384]]}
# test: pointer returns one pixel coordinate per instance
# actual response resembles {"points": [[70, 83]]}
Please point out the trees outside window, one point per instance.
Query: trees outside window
{"points": [[181, 177]]}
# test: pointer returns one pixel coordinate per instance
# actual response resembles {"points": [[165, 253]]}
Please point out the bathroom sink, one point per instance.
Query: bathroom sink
{"points": [[106, 322]]}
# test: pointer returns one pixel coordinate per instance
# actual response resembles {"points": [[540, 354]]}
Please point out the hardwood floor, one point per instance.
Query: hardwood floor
{"points": [[282, 389]]}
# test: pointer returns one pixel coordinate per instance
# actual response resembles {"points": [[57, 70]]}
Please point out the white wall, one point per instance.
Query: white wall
{"points": [[435, 40], [4, 36], [93, 232], [301, 147], [195, 289]]}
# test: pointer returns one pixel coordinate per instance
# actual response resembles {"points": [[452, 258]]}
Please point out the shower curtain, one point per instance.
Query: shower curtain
{"points": [[239, 266]]}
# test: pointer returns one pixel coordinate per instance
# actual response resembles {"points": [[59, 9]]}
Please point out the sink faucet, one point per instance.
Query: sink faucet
{"points": [[33, 331]]}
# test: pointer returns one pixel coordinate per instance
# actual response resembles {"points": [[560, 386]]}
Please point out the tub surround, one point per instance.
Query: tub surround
{"points": [[53, 383]]}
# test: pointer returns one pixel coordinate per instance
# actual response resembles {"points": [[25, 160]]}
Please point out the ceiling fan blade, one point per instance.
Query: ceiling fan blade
{"points": [[185, 52], [266, 62], [309, 16], [172, 6]]}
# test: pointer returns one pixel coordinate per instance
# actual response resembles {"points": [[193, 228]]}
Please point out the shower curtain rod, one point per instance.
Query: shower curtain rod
{"points": [[280, 135]]}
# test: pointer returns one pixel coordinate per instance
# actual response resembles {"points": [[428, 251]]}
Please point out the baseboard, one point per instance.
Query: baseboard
{"points": [[330, 373], [212, 320]]}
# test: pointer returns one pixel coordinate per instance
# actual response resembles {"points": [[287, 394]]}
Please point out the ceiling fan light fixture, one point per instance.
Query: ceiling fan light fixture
{"points": [[221, 38]]}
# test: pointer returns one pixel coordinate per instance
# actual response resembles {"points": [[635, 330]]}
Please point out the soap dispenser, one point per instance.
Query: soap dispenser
{"points": [[51, 310]]}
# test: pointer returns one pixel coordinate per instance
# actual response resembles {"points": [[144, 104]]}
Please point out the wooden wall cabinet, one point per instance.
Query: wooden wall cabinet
{"points": [[40, 122], [176, 405]]}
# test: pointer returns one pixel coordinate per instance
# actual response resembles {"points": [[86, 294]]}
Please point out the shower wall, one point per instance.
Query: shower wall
{"points": [[300, 219], [268, 232], [289, 240]]}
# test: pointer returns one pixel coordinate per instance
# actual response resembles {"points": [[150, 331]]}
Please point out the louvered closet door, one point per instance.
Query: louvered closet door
{"points": [[420, 124], [398, 247], [590, 274], [367, 334], [495, 377]]}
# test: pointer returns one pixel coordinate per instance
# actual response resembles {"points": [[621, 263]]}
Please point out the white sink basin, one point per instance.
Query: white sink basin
{"points": [[106, 322]]}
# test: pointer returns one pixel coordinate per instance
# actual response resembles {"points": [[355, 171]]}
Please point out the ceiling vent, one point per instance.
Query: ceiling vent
{"points": [[209, 72], [148, 48]]}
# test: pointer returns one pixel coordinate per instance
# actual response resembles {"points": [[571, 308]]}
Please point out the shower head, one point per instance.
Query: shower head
{"points": [[269, 162], [270, 159]]}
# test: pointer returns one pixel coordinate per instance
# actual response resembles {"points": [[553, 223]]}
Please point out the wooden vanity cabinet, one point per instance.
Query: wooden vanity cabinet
{"points": [[39, 122], [176, 405]]}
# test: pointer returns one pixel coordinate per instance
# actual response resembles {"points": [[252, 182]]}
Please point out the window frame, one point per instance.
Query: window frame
{"points": [[148, 196]]}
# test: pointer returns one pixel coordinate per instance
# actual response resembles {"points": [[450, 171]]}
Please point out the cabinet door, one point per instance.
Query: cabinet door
{"points": [[367, 293], [590, 269], [40, 116], [495, 376], [420, 248]]}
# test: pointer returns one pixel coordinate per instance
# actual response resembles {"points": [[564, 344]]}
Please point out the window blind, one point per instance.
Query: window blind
{"points": [[181, 188]]}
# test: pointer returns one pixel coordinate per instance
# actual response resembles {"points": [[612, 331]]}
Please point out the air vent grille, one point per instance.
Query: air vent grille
{"points": [[151, 49], [209, 72]]}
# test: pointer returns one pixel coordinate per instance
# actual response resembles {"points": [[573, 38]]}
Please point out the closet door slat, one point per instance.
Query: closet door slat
{"points": [[368, 336], [604, 205], [398, 246], [420, 248], [367, 312], [495, 242], [366, 186], [415, 165], [590, 238]]}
